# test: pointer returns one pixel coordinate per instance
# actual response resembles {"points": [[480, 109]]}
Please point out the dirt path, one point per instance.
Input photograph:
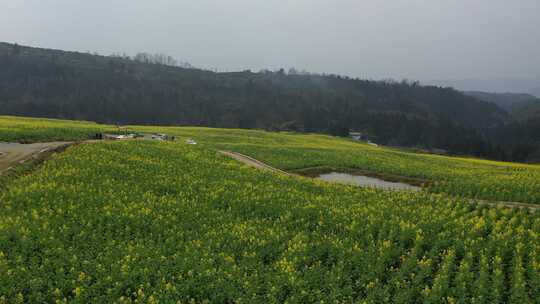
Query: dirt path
{"points": [[260, 165], [12, 154], [252, 162]]}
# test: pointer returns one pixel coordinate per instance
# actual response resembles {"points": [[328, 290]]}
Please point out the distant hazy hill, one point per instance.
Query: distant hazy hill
{"points": [[521, 106], [497, 85], [536, 92], [59, 84]]}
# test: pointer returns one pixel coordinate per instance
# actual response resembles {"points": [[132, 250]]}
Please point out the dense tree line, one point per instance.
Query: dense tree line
{"points": [[152, 89]]}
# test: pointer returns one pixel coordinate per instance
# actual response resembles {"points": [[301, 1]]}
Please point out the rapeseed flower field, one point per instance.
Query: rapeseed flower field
{"points": [[456, 176], [28, 130], [167, 222]]}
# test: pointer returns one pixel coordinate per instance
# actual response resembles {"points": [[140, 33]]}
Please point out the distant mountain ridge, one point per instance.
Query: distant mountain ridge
{"points": [[521, 106], [112, 89], [528, 85]]}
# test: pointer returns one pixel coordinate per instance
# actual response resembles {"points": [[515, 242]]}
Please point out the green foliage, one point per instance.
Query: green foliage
{"points": [[142, 221]]}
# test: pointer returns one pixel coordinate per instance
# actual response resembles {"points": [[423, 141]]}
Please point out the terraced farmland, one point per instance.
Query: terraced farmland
{"points": [[458, 176]]}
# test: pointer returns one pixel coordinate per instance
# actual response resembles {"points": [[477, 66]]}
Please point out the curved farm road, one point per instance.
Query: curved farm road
{"points": [[12, 154], [252, 162], [260, 165]]}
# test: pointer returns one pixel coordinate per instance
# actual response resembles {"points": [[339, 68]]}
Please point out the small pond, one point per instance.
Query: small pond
{"points": [[365, 181]]}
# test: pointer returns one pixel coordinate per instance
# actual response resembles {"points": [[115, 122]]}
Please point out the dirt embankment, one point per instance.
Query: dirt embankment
{"points": [[12, 154]]}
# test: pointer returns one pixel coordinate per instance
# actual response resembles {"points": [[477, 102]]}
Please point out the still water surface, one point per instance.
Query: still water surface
{"points": [[365, 181]]}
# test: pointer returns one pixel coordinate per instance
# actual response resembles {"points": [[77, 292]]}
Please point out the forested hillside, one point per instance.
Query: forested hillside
{"points": [[114, 89], [521, 135]]}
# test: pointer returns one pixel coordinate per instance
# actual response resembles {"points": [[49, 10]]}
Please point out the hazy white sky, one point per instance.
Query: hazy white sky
{"points": [[415, 39]]}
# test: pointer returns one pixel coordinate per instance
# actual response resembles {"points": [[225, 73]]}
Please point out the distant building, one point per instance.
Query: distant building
{"points": [[114, 136], [358, 136], [439, 151], [146, 136], [161, 136]]}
